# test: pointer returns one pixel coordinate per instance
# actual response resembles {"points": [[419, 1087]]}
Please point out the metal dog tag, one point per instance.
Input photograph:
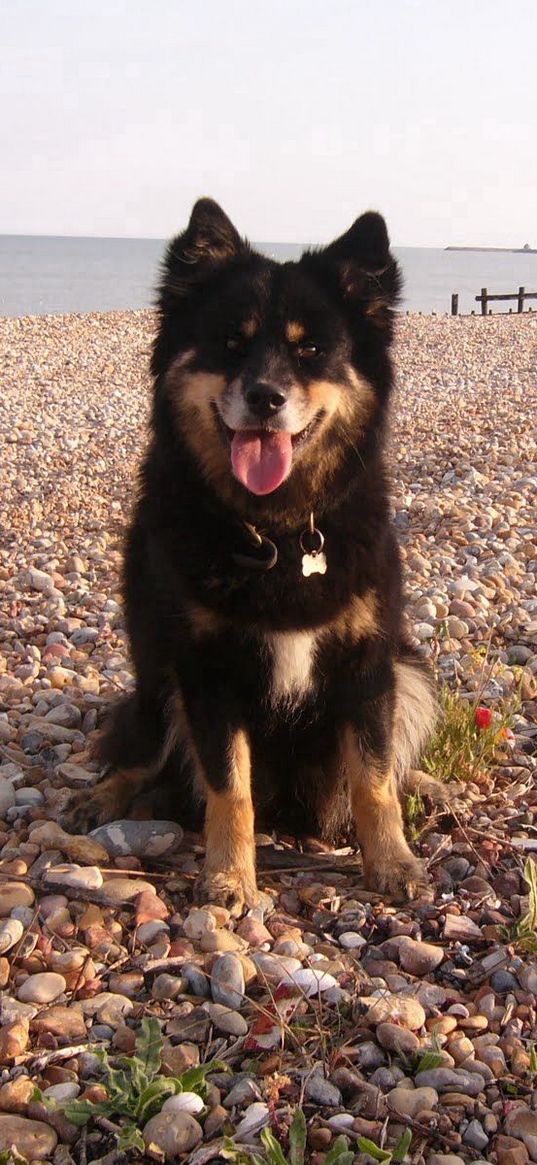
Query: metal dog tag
{"points": [[314, 564]]}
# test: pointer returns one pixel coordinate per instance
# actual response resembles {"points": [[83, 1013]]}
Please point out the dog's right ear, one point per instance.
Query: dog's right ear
{"points": [[210, 239]]}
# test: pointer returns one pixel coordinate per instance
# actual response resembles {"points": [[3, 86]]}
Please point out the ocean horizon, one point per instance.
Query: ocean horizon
{"points": [[57, 275]]}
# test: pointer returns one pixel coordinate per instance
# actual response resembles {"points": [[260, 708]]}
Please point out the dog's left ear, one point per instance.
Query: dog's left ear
{"points": [[366, 267], [209, 240]]}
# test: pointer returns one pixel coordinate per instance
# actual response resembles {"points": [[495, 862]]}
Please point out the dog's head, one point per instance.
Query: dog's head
{"points": [[274, 374]]}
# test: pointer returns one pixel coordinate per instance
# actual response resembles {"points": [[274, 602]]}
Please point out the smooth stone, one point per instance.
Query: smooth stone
{"points": [[148, 932], [254, 932], [184, 1102], [28, 795], [15, 894], [418, 958], [522, 1123], [385, 1009], [527, 977], [274, 969], [197, 981], [226, 1019], [244, 1091], [77, 877], [11, 931], [141, 838], [44, 987], [107, 1007], [7, 796], [350, 940], [119, 890], [49, 835], [311, 981], [34, 1140], [475, 1136], [167, 986], [173, 1133], [62, 1092], [65, 1023], [411, 1101], [257, 1116], [198, 922], [227, 981], [321, 1091], [451, 1080], [397, 1039]]}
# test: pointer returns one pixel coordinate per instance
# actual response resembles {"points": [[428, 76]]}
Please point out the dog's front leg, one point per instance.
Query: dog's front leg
{"points": [[389, 865], [223, 763]]}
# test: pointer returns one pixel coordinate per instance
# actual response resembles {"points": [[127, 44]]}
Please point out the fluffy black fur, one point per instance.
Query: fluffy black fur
{"points": [[188, 538]]}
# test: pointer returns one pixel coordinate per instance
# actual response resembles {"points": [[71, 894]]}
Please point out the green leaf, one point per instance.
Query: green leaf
{"points": [[153, 1097], [297, 1138], [403, 1146], [367, 1146], [193, 1080], [79, 1112], [273, 1147], [339, 1153], [429, 1060], [130, 1137], [148, 1048]]}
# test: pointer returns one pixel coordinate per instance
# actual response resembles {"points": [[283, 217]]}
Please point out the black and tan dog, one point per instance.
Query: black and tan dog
{"points": [[262, 575]]}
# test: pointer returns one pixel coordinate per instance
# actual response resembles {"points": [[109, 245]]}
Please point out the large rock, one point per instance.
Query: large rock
{"points": [[149, 839], [171, 1133], [522, 1123], [32, 1139], [395, 1008]]}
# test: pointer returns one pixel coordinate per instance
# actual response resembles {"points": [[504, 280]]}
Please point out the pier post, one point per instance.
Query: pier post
{"points": [[455, 304], [484, 297], [521, 292]]}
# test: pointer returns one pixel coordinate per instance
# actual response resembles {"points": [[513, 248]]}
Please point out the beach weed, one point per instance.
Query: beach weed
{"points": [[135, 1088], [460, 749], [272, 1152], [386, 1156], [522, 934]]}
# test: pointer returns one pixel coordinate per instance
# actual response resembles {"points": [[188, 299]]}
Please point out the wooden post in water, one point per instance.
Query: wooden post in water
{"points": [[455, 304], [521, 291], [483, 301]]}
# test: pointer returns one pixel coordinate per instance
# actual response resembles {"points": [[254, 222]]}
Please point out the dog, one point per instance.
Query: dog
{"points": [[262, 576]]}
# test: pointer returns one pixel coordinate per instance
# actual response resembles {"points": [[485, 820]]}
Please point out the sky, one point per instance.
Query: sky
{"points": [[296, 115]]}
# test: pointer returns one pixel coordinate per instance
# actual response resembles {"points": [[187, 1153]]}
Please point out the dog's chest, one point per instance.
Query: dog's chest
{"points": [[290, 660]]}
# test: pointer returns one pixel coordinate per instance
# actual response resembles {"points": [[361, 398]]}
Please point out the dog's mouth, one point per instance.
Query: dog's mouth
{"points": [[262, 459]]}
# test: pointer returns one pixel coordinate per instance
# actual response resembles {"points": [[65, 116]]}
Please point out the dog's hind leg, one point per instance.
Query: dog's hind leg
{"points": [[134, 745]]}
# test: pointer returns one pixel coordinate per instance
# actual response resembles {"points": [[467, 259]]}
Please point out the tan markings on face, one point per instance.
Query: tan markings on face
{"points": [[249, 328], [294, 331], [193, 395]]}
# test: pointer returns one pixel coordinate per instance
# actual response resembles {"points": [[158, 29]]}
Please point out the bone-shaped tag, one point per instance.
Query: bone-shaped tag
{"points": [[314, 564]]}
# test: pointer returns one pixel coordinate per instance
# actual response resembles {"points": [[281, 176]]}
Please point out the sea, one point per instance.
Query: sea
{"points": [[46, 275]]}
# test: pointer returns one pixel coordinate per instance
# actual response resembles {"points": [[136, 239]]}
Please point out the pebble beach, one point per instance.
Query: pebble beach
{"points": [[378, 1021]]}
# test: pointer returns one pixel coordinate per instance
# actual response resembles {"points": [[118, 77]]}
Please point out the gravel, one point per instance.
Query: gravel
{"points": [[424, 1013]]}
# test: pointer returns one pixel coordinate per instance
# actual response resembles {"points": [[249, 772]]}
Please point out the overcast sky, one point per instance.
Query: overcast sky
{"points": [[295, 114]]}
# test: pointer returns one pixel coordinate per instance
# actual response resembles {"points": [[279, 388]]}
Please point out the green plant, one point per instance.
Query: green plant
{"points": [[338, 1154], [426, 1058], [12, 1157], [386, 1155], [135, 1088], [523, 933], [460, 749], [414, 813]]}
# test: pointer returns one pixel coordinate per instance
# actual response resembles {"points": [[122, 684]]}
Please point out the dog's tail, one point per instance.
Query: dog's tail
{"points": [[416, 712]]}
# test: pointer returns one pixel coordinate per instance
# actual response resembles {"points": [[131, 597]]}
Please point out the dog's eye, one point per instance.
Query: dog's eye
{"points": [[308, 351], [236, 343]]}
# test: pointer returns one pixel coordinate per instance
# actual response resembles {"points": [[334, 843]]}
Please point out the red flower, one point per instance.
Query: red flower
{"points": [[483, 717]]}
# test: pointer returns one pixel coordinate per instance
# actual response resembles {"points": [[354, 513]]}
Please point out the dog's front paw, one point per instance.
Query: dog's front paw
{"points": [[399, 876], [235, 890], [86, 810]]}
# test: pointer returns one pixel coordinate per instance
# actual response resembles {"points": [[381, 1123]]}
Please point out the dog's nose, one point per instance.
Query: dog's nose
{"points": [[265, 399]]}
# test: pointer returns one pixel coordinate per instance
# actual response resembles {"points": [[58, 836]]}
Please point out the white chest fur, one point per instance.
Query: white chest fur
{"points": [[292, 658]]}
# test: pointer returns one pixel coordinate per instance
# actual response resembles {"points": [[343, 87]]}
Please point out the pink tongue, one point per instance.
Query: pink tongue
{"points": [[260, 460]]}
